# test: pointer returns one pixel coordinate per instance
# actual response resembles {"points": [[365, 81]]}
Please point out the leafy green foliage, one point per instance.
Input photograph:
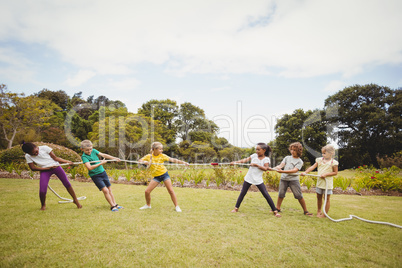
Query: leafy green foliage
{"points": [[368, 123]]}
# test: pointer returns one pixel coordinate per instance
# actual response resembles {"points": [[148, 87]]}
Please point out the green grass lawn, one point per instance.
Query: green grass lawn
{"points": [[204, 234]]}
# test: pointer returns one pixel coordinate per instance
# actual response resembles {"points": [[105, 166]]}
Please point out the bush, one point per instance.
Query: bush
{"points": [[385, 179], [394, 160]]}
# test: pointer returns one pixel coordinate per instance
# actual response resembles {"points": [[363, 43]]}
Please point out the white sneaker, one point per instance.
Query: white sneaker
{"points": [[145, 207], [178, 209]]}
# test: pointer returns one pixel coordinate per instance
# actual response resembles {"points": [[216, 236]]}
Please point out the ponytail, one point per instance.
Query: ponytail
{"points": [[27, 147]]}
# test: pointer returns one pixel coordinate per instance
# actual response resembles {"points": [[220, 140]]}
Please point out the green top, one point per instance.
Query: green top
{"points": [[92, 157]]}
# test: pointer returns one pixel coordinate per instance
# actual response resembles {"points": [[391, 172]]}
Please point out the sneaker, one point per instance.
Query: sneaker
{"points": [[178, 209], [145, 207]]}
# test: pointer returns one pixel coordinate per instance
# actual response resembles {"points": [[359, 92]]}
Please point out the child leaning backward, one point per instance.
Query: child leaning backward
{"points": [[97, 172], [42, 159], [327, 168], [291, 164]]}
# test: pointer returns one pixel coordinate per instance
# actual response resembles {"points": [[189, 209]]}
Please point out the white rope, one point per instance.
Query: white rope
{"points": [[66, 200], [353, 216], [350, 216]]}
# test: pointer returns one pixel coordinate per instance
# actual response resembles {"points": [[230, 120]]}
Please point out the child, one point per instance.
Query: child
{"points": [[159, 172], [259, 163], [291, 164], [98, 173], [327, 167], [42, 158]]}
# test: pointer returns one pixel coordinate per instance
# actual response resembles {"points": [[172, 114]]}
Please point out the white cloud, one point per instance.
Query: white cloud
{"points": [[289, 38], [335, 86], [80, 78], [15, 67], [225, 88]]}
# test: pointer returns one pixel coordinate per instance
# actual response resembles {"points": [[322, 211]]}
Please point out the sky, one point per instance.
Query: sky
{"points": [[245, 63]]}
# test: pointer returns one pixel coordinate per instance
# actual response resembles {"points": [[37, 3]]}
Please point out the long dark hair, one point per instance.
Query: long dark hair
{"points": [[265, 147], [27, 147]]}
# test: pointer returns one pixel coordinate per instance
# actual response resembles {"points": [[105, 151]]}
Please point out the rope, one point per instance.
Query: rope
{"points": [[66, 200], [350, 216], [353, 216]]}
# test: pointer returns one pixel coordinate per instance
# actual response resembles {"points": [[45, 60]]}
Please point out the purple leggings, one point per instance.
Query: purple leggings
{"points": [[45, 177], [262, 189]]}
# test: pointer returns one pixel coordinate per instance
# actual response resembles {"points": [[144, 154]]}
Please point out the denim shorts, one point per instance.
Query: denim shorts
{"points": [[162, 177], [322, 191], [101, 180]]}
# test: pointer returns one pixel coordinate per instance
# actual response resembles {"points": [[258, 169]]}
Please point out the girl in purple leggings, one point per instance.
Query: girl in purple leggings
{"points": [[41, 158]]}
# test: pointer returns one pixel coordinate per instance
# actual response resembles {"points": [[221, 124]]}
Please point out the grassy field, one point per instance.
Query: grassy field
{"points": [[204, 234]]}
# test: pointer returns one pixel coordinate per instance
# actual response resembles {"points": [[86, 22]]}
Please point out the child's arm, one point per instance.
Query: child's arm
{"points": [[109, 157], [278, 167], [58, 159], [91, 167], [309, 169], [33, 167], [264, 168], [244, 160], [330, 174], [295, 170], [174, 160]]}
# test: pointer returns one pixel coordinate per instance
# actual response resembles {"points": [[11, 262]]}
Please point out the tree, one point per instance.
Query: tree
{"points": [[19, 113], [306, 127], [166, 112], [193, 118], [368, 122], [60, 98]]}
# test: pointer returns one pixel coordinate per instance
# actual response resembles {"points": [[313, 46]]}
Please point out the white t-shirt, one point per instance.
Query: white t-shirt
{"points": [[43, 159], [254, 174]]}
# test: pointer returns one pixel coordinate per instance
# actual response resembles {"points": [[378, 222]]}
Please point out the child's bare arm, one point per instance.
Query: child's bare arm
{"points": [[109, 156], [91, 167], [330, 174], [33, 167], [310, 169], [244, 160], [294, 170], [174, 160], [58, 159], [264, 168]]}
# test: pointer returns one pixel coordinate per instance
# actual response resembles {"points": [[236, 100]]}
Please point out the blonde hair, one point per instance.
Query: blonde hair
{"points": [[86, 144], [155, 145], [329, 149], [297, 147]]}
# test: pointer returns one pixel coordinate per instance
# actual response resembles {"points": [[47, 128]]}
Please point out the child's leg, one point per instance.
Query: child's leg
{"points": [[319, 204], [43, 183], [169, 187], [283, 186], [59, 172], [148, 191], [242, 194], [267, 197], [105, 190], [111, 194]]}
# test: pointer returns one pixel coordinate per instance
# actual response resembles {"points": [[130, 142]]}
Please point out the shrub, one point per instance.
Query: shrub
{"points": [[342, 182], [272, 179], [385, 179], [394, 160]]}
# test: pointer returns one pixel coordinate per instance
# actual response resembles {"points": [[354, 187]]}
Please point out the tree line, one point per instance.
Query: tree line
{"points": [[363, 120]]}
